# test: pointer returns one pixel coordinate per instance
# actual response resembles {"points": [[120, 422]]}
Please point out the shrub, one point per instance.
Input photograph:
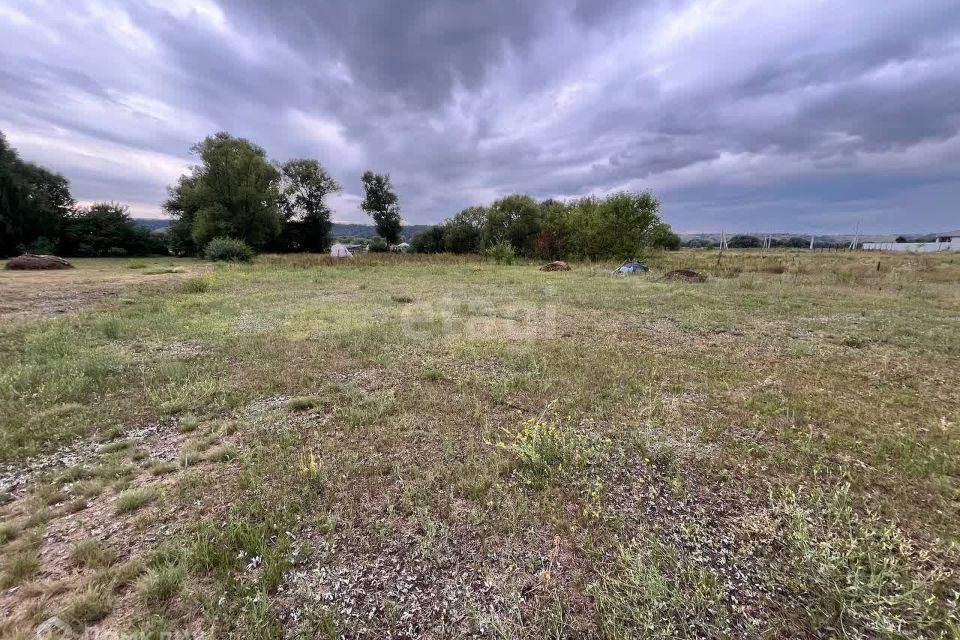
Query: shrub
{"points": [[228, 250], [195, 285], [543, 447], [502, 253], [378, 245]]}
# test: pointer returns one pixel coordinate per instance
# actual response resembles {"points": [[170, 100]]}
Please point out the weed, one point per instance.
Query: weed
{"points": [[302, 403], [188, 424], [19, 566], [161, 582], [224, 453], [195, 285], [133, 499], [401, 299], [163, 468], [8, 532], [93, 553], [542, 447], [657, 591], [863, 576], [116, 446], [92, 605]]}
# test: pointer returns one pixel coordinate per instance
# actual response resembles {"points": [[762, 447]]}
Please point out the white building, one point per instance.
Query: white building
{"points": [[945, 241]]}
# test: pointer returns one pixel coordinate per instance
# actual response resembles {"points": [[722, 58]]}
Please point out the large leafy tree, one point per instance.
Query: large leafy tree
{"points": [[382, 204], [514, 219], [304, 185], [233, 191], [34, 203]]}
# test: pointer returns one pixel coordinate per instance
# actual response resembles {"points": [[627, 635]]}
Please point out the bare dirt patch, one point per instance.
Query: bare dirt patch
{"points": [[33, 294]]}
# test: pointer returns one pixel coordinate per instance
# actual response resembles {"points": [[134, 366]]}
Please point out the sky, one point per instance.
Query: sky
{"points": [[739, 115]]}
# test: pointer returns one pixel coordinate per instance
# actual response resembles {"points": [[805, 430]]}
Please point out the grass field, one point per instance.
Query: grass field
{"points": [[408, 446]]}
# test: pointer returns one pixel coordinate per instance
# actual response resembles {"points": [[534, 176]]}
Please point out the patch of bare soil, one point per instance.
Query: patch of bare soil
{"points": [[74, 514], [32, 294]]}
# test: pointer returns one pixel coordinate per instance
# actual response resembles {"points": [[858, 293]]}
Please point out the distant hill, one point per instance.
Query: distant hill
{"points": [[153, 224], [339, 230]]}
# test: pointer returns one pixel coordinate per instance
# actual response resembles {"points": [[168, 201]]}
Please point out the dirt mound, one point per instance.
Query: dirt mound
{"points": [[685, 275], [557, 265], [30, 261]]}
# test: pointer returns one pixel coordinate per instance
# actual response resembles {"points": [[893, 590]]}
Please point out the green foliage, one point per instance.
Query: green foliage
{"points": [[224, 249], [622, 225], [106, 229], [382, 204], [34, 203], [234, 192], [542, 447], [741, 241], [378, 245], [858, 577], [429, 241], [656, 590], [304, 185], [502, 252], [93, 553], [133, 499]]}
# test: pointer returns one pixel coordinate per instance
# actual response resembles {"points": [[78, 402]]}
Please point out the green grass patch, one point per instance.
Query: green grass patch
{"points": [[133, 499]]}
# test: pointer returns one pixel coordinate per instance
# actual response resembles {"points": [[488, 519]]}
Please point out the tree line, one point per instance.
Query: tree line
{"points": [[622, 225], [234, 192], [39, 215]]}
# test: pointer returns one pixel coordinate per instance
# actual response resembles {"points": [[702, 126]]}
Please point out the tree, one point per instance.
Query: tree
{"points": [[382, 204], [34, 203], [514, 219], [901, 239], [430, 241], [665, 238], [461, 233], [106, 229], [233, 192], [742, 241], [304, 185]]}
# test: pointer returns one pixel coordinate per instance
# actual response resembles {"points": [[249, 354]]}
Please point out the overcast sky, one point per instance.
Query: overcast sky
{"points": [[744, 115]]}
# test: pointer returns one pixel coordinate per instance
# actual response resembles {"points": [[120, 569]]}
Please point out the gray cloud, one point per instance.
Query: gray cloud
{"points": [[745, 114]]}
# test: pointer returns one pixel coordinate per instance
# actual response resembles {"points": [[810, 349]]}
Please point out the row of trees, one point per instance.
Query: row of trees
{"points": [[39, 215], [622, 225], [236, 192]]}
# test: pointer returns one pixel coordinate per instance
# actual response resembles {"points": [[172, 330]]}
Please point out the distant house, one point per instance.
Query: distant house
{"points": [[949, 236]]}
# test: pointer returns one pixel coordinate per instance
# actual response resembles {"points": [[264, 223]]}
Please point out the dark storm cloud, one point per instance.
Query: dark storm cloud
{"points": [[742, 114]]}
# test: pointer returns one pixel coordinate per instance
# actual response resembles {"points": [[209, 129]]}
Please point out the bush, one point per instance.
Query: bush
{"points": [[502, 252], [228, 250], [378, 245]]}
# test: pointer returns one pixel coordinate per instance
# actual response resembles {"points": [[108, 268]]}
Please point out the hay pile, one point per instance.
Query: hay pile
{"points": [[557, 265], [685, 275], [30, 261]]}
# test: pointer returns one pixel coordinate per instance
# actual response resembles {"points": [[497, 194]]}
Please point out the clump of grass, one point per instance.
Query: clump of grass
{"points": [[92, 605], [120, 575], [133, 499], [161, 582], [302, 403], [223, 453], [38, 518], [199, 445], [162, 468], [856, 576], [402, 299], [19, 566], [137, 265], [195, 285], [8, 532], [74, 473], [48, 495], [188, 424], [656, 590], [139, 454], [93, 553], [433, 375], [190, 458], [116, 446], [153, 271], [87, 488], [75, 506]]}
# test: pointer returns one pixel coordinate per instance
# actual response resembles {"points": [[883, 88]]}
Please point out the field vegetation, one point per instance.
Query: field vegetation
{"points": [[444, 446]]}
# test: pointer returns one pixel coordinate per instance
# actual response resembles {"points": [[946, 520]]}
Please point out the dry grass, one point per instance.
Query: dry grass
{"points": [[771, 453]]}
